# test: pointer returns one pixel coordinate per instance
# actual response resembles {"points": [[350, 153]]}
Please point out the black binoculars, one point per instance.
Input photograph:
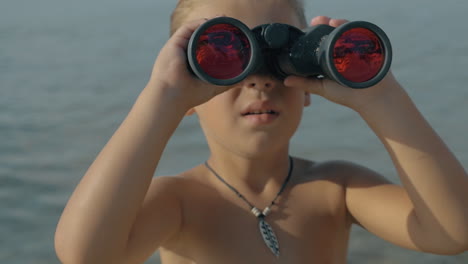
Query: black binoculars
{"points": [[224, 51]]}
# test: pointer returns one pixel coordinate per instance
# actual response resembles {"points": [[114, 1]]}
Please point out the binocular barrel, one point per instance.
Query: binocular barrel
{"points": [[224, 51]]}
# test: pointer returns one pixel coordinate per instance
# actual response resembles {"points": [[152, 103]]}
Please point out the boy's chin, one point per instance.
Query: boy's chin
{"points": [[254, 144], [261, 149]]}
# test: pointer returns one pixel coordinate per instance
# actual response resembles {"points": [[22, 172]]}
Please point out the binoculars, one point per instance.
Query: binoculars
{"points": [[224, 51]]}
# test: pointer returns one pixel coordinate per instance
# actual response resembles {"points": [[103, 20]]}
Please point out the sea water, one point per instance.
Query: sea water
{"points": [[70, 71]]}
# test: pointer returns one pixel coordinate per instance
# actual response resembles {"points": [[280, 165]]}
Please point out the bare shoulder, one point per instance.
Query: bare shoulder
{"points": [[343, 182], [169, 189], [338, 171], [169, 184], [175, 185]]}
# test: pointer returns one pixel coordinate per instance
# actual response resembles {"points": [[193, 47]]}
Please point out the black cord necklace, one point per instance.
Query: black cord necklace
{"points": [[266, 230]]}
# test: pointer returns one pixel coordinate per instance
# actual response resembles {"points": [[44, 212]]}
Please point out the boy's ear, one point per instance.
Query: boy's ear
{"points": [[190, 112], [307, 99]]}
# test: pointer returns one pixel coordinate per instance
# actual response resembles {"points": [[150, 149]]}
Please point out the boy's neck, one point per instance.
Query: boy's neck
{"points": [[258, 175]]}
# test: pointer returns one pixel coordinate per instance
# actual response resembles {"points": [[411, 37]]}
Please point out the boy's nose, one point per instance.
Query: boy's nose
{"points": [[260, 82]]}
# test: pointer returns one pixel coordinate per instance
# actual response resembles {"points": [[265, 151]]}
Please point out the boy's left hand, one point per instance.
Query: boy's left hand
{"points": [[357, 99]]}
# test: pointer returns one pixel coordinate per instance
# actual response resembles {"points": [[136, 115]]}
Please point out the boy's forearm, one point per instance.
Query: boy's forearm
{"points": [[99, 215], [434, 179]]}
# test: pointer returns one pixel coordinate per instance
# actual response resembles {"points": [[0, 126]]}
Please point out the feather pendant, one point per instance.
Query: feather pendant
{"points": [[269, 236]]}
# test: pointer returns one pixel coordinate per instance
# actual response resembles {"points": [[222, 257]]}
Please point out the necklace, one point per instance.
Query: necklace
{"points": [[268, 235]]}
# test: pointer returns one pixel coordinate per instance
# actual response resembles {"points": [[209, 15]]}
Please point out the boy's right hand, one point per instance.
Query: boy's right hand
{"points": [[170, 71]]}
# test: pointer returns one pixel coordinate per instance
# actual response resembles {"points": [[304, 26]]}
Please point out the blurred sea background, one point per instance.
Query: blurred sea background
{"points": [[71, 70]]}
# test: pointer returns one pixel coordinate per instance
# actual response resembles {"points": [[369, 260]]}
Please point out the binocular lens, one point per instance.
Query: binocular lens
{"points": [[358, 55], [223, 51]]}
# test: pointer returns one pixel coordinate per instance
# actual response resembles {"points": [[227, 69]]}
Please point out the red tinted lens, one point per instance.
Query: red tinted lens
{"points": [[223, 51], [358, 55]]}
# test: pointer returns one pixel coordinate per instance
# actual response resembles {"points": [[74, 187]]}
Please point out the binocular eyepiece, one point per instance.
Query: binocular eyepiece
{"points": [[224, 51]]}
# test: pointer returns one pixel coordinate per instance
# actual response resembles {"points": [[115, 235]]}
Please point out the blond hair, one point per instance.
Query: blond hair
{"points": [[185, 6]]}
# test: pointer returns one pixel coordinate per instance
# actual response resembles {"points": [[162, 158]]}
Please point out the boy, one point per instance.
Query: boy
{"points": [[208, 214]]}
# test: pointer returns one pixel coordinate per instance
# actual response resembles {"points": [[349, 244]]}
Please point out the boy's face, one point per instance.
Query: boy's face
{"points": [[238, 120]]}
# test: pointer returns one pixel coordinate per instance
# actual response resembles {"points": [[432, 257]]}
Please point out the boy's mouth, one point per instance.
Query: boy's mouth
{"points": [[260, 117], [261, 112], [264, 107]]}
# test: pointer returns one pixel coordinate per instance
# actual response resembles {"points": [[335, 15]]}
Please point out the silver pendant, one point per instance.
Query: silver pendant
{"points": [[269, 236]]}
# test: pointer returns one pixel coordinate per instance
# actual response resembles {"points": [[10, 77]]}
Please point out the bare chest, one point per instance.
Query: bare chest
{"points": [[309, 221]]}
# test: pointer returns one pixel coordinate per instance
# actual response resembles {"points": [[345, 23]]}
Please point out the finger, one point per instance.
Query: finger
{"points": [[320, 20], [182, 34], [337, 22], [309, 85]]}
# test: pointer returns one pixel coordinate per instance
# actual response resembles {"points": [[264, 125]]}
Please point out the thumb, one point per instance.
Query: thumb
{"points": [[310, 85]]}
